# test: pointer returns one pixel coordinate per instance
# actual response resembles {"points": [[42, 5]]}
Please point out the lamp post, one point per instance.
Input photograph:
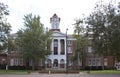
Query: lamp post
{"points": [[66, 54]]}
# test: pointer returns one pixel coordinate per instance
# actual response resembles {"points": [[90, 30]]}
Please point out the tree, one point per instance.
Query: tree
{"points": [[4, 27], [96, 22], [33, 40], [81, 42], [115, 31], [99, 25], [12, 46], [104, 21], [115, 42]]}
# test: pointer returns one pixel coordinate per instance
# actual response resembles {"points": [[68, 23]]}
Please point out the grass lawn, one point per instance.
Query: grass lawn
{"points": [[91, 72], [103, 72], [13, 72]]}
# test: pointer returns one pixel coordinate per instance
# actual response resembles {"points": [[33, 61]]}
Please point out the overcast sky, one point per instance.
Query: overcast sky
{"points": [[67, 10]]}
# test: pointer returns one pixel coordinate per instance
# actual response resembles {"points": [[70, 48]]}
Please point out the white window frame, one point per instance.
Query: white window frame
{"points": [[69, 49], [105, 62], [89, 49], [69, 42], [11, 62]]}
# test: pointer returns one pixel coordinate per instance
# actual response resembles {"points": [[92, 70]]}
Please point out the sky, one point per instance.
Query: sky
{"points": [[67, 10]]}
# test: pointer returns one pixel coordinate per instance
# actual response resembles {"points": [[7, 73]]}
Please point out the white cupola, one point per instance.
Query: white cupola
{"points": [[55, 21]]}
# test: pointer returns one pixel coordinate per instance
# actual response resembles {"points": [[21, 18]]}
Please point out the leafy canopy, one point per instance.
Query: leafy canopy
{"points": [[33, 39], [4, 27]]}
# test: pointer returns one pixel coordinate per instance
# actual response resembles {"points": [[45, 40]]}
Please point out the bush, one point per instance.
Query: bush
{"points": [[17, 67]]}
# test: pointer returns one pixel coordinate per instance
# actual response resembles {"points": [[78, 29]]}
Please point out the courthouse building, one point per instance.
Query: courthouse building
{"points": [[63, 48]]}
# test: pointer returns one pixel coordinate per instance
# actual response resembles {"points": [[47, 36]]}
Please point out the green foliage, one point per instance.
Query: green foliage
{"points": [[103, 72], [105, 25], [33, 40], [115, 43], [4, 27], [96, 22], [12, 46], [21, 72], [80, 40]]}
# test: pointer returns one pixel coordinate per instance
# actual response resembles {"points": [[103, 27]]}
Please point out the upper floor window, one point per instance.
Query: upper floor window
{"points": [[89, 49], [55, 43], [69, 49], [105, 62], [69, 42]]}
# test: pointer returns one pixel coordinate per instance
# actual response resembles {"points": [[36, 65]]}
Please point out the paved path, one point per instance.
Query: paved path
{"points": [[61, 75]]}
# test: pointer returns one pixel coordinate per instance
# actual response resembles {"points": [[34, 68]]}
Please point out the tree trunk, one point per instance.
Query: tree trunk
{"points": [[83, 58], [78, 62], [83, 63], [103, 63], [33, 65], [27, 64]]}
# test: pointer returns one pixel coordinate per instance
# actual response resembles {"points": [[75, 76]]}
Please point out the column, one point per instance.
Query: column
{"points": [[52, 46], [59, 47], [65, 46], [46, 64], [52, 63], [65, 52], [58, 63]]}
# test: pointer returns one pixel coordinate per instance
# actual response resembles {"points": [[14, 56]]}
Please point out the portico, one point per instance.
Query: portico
{"points": [[57, 58]]}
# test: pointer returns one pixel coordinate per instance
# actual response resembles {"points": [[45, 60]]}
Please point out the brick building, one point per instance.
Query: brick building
{"points": [[62, 47], [3, 61]]}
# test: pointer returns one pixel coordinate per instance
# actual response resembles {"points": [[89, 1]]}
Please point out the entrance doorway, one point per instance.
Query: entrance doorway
{"points": [[55, 64]]}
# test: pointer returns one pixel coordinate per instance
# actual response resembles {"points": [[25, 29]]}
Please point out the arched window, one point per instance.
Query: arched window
{"points": [[62, 63], [49, 63], [55, 64]]}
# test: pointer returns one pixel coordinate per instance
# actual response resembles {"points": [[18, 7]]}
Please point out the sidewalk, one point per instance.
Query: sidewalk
{"points": [[49, 73]]}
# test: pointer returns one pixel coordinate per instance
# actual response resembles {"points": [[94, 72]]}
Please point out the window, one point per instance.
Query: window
{"points": [[55, 47], [55, 63], [80, 62], [98, 63], [62, 47], [49, 63], [89, 62], [11, 62], [62, 61], [55, 43], [69, 49], [105, 61], [62, 53], [93, 62], [15, 61], [69, 42], [89, 49], [21, 62], [55, 50]]}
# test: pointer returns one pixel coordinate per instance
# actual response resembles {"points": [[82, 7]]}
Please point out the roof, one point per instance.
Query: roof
{"points": [[60, 34]]}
